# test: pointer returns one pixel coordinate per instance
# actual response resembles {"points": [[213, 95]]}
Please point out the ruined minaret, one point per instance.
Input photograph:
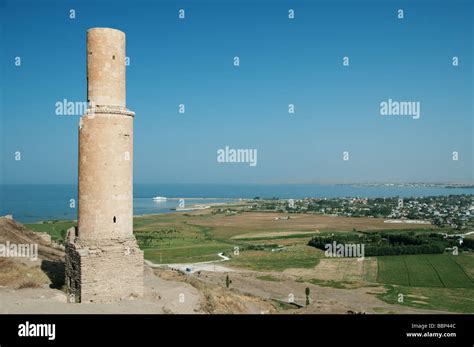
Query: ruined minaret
{"points": [[103, 261]]}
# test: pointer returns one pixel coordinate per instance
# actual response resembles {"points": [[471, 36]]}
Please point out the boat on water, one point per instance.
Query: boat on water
{"points": [[159, 198]]}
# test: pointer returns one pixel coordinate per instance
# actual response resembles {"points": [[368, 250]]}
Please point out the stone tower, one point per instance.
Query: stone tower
{"points": [[103, 262]]}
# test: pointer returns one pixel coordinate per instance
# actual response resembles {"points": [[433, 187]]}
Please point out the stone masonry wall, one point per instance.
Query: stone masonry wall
{"points": [[104, 271]]}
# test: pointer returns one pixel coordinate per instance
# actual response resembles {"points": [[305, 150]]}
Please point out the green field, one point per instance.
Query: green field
{"points": [[434, 281], [169, 241], [296, 256], [444, 299], [428, 270], [191, 242], [189, 253], [57, 229]]}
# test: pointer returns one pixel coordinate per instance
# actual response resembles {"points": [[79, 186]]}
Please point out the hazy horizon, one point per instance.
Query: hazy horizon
{"points": [[272, 183]]}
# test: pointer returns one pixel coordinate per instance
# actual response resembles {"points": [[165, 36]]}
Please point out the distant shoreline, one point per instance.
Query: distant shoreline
{"points": [[30, 204]]}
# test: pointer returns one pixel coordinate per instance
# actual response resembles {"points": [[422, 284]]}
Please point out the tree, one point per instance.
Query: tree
{"points": [[227, 281], [307, 292]]}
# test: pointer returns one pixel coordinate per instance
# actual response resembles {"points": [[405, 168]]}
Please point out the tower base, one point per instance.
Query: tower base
{"points": [[102, 271]]}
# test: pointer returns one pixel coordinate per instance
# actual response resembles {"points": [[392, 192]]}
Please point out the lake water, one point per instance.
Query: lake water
{"points": [[32, 203]]}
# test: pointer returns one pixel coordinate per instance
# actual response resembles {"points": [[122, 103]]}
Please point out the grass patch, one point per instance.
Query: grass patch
{"points": [[283, 306], [330, 283], [57, 229], [292, 257], [269, 278], [459, 300], [187, 253]]}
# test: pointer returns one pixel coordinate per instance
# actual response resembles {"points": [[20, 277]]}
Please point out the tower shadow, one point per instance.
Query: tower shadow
{"points": [[55, 271]]}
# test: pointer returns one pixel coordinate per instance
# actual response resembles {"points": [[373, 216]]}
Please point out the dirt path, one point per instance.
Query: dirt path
{"points": [[212, 265]]}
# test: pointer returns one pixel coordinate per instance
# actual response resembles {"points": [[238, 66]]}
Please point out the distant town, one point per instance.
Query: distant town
{"points": [[412, 185], [453, 211]]}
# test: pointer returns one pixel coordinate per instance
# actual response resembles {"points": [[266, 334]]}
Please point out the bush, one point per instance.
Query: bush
{"points": [[377, 244]]}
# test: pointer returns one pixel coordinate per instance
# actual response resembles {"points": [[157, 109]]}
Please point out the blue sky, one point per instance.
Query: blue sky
{"points": [[283, 61]]}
